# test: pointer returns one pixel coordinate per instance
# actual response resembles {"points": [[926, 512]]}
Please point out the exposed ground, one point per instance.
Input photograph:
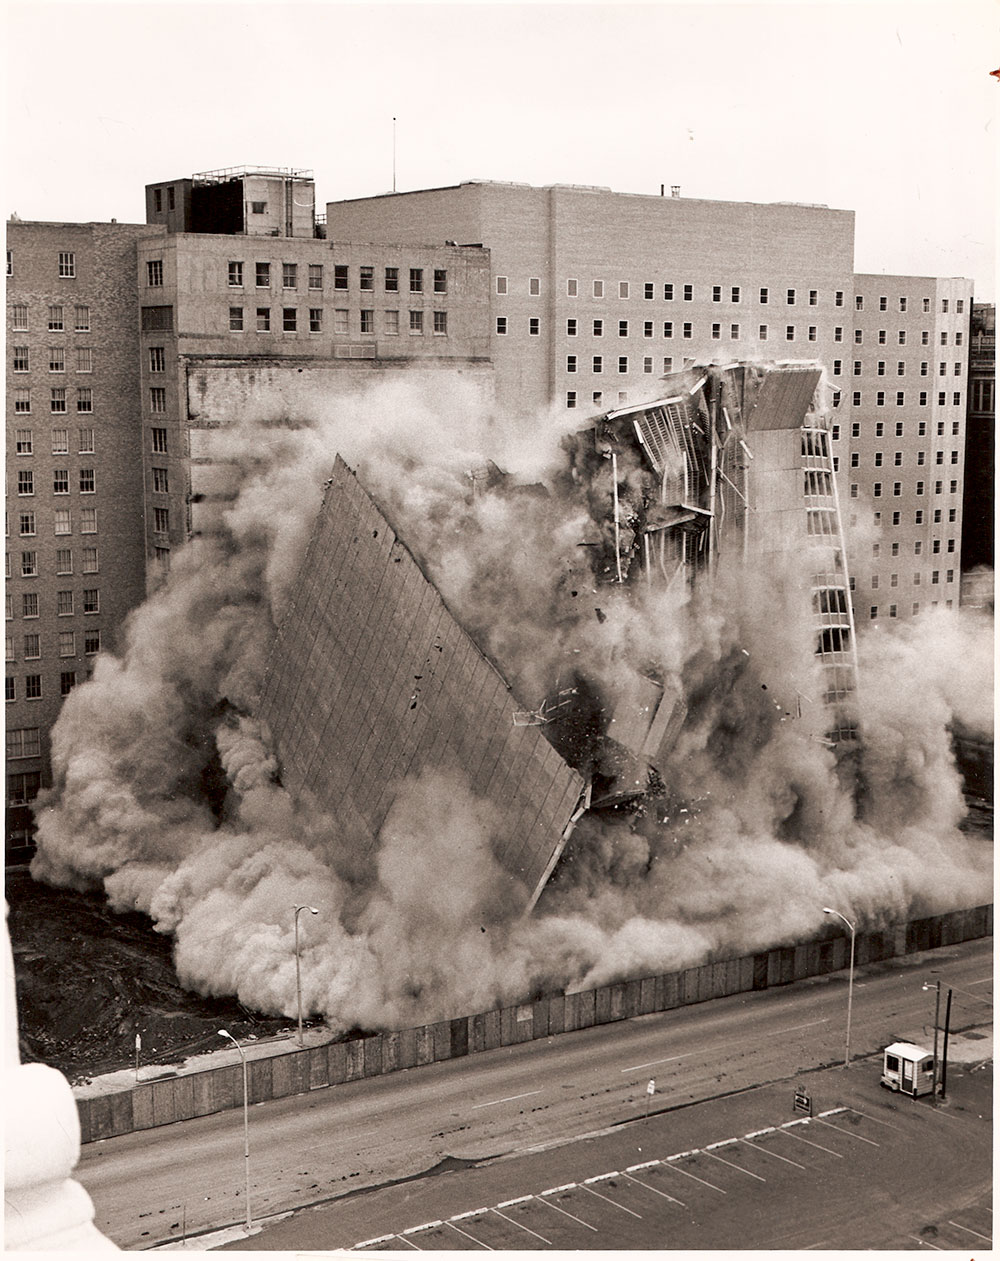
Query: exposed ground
{"points": [[89, 980]]}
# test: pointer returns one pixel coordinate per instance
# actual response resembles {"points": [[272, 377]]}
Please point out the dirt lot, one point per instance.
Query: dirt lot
{"points": [[89, 980]]}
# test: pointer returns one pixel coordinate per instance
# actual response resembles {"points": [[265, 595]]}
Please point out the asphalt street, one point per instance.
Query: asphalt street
{"points": [[187, 1179]]}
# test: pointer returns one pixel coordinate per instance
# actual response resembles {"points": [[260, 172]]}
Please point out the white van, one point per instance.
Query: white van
{"points": [[908, 1068]]}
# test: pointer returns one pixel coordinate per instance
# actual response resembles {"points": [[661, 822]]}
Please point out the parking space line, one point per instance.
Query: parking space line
{"points": [[654, 1190], [870, 1141], [810, 1025], [924, 1244], [509, 1099], [610, 1201], [732, 1166], [649, 1063], [959, 1226], [472, 1212], [877, 1120], [568, 1214], [759, 1147], [668, 1165], [810, 1142], [472, 1237], [370, 1243], [519, 1226], [409, 1243]]}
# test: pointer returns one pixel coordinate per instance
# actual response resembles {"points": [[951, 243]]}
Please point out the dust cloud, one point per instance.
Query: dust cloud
{"points": [[167, 795]]}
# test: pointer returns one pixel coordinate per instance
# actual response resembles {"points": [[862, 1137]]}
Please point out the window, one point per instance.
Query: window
{"points": [[944, 306], [262, 275], [813, 297], [687, 330], [922, 398], [10, 694], [341, 321], [571, 328], [902, 337], [573, 288], [952, 514], [154, 272], [29, 604], [55, 318], [25, 482], [366, 279], [289, 319], [874, 582], [960, 305], [762, 333], [623, 363], [877, 490], [734, 332], [64, 560], [597, 396], [57, 400], [87, 476], [157, 319], [157, 399], [688, 293], [790, 297], [859, 337], [920, 491], [417, 323], [22, 400], [647, 363], [855, 459], [258, 207], [716, 293], [854, 490], [897, 488], [23, 443], [668, 293], [33, 687], [837, 367], [647, 290], [67, 679], [763, 296], [263, 319], [899, 398], [623, 328], [571, 363], [10, 262], [416, 280], [925, 339], [161, 483], [236, 274], [880, 398], [789, 332], [859, 302], [57, 359], [441, 323], [534, 286], [23, 742], [812, 332], [944, 339], [534, 326], [159, 441], [647, 328], [598, 328], [897, 458], [936, 546], [162, 557], [501, 325], [315, 275], [236, 319], [501, 282], [879, 428], [29, 564], [91, 642], [161, 520], [838, 298], [855, 429], [25, 523], [716, 332], [881, 337], [67, 264], [953, 487], [315, 319], [32, 647], [956, 398], [598, 363], [90, 565], [92, 600], [918, 516], [64, 603], [883, 303], [668, 328]]}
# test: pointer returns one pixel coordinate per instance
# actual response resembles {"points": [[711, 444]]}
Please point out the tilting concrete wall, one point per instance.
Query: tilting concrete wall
{"points": [[296, 1072]]}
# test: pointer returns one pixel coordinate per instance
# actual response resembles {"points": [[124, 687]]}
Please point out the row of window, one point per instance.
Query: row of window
{"points": [[24, 441], [897, 489], [59, 400], [66, 645], [62, 522], [391, 277], [880, 429], [341, 321], [649, 289], [64, 561], [880, 368], [897, 459], [67, 264], [23, 742], [67, 678], [917, 578], [873, 611], [60, 481], [918, 545], [21, 359], [65, 603], [57, 321], [24, 787], [597, 398], [922, 397]]}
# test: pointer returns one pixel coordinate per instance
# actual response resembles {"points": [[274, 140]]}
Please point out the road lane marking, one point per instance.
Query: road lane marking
{"points": [[676, 1169], [759, 1147], [649, 1063], [672, 1199], [527, 1229], [987, 980], [610, 1201], [732, 1166], [959, 1226], [573, 1215], [811, 1143], [810, 1025], [509, 1099], [870, 1141], [472, 1237]]}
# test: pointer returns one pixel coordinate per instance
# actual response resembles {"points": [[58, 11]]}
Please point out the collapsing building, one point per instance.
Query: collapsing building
{"points": [[372, 680]]}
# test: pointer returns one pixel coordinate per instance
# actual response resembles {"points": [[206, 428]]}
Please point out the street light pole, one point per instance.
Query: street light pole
{"points": [[246, 1125], [937, 1013], [298, 975], [828, 910]]}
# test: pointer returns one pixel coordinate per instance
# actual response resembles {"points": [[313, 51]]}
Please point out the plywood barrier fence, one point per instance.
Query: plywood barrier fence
{"points": [[179, 1098]]}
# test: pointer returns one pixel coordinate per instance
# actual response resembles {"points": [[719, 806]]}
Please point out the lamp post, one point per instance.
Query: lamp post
{"points": [[246, 1124], [298, 974], [937, 1011], [828, 910]]}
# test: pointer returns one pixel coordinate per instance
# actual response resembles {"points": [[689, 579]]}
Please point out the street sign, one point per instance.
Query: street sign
{"points": [[650, 1089], [803, 1101]]}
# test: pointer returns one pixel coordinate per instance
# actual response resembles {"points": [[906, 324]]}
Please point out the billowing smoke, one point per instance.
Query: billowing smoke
{"points": [[167, 795]]}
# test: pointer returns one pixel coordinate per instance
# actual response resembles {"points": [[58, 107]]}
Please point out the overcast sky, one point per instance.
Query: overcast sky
{"points": [[886, 109]]}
